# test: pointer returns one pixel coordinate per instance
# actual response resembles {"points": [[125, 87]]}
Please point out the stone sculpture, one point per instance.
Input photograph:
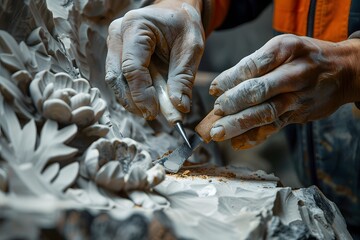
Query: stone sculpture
{"points": [[67, 148]]}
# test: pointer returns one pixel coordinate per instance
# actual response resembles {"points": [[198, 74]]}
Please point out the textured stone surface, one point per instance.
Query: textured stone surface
{"points": [[211, 203]]}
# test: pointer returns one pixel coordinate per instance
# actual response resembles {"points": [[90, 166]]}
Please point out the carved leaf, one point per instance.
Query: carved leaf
{"points": [[51, 172], [14, 95], [67, 176], [52, 144], [27, 153], [23, 140], [9, 47]]}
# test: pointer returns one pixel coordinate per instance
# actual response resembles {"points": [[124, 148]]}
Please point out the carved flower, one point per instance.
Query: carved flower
{"points": [[66, 100], [121, 164]]}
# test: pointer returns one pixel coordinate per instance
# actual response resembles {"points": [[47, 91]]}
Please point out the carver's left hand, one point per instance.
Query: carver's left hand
{"points": [[290, 79]]}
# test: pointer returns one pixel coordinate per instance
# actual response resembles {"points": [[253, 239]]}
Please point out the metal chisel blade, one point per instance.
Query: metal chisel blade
{"points": [[176, 159]]}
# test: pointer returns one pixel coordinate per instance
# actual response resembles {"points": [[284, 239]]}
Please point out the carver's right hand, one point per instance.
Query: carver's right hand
{"points": [[168, 34]]}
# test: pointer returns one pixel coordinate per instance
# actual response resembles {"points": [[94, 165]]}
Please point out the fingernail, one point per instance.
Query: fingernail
{"points": [[184, 105], [218, 110], [217, 132], [212, 89]]}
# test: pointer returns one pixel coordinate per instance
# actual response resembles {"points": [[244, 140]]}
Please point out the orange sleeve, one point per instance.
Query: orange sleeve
{"points": [[214, 13]]}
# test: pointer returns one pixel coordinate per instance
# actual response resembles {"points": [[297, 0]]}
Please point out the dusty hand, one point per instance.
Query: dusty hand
{"points": [[169, 35], [289, 80]]}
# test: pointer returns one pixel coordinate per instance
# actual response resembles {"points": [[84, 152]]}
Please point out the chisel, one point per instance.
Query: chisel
{"points": [[174, 161], [172, 115]]}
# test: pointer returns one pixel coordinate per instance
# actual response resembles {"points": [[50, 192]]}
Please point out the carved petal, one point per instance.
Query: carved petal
{"points": [[48, 91], [81, 85], [155, 175], [79, 100], [111, 176], [83, 116], [95, 94], [91, 162], [99, 107], [63, 80], [62, 94], [37, 87], [136, 179], [97, 130], [57, 110]]}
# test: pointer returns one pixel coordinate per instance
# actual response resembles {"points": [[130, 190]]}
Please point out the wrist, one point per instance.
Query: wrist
{"points": [[353, 88], [356, 35]]}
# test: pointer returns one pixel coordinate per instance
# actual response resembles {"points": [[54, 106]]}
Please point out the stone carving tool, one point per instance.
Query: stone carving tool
{"points": [[172, 115], [175, 160]]}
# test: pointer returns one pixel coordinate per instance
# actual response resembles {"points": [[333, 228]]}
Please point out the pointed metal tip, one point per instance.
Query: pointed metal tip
{"points": [[179, 127]]}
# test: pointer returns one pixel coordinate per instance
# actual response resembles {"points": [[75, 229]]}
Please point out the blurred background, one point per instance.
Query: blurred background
{"points": [[223, 50]]}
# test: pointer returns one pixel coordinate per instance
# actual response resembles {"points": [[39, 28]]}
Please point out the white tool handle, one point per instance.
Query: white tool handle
{"points": [[171, 114]]}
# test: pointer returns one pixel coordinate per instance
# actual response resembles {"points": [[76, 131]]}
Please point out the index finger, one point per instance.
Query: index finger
{"points": [[139, 43], [114, 77], [273, 54]]}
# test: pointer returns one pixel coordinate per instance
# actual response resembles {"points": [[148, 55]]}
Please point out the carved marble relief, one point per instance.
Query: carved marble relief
{"points": [[65, 143]]}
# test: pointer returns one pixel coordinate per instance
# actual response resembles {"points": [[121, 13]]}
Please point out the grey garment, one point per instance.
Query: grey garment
{"points": [[328, 155]]}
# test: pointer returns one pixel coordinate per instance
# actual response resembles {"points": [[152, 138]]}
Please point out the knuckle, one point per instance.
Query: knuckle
{"points": [[227, 80], [248, 67], [198, 46], [272, 111], [284, 120], [110, 78], [131, 70], [118, 90], [279, 123], [290, 41], [247, 121], [114, 27], [256, 91], [183, 80], [133, 15], [288, 38]]}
